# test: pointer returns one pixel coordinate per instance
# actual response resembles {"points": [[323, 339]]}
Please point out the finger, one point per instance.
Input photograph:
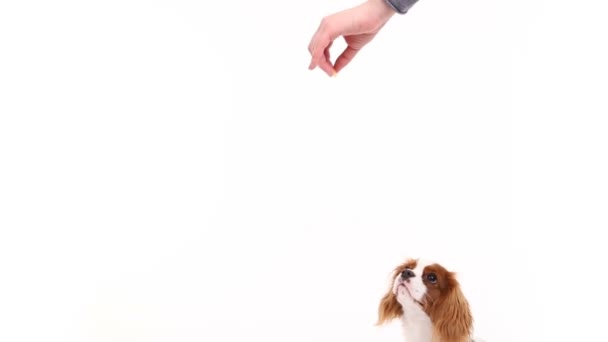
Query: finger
{"points": [[312, 48], [321, 41], [314, 44], [326, 66], [322, 34], [326, 52], [321, 59], [318, 50], [345, 58]]}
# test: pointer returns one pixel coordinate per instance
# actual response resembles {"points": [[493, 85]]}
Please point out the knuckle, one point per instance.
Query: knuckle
{"points": [[326, 23]]}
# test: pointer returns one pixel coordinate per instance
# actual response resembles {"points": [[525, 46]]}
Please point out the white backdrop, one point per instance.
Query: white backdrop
{"points": [[171, 171]]}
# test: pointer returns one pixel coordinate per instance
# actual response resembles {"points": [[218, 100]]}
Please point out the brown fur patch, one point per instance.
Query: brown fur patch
{"points": [[446, 306]]}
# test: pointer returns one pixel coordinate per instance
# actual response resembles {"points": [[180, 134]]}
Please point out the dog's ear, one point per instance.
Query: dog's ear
{"points": [[452, 316], [389, 308]]}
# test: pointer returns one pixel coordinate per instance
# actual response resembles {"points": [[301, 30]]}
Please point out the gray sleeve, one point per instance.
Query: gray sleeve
{"points": [[401, 6]]}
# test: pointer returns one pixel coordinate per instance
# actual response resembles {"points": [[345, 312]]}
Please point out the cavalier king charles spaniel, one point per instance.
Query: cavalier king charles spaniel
{"points": [[428, 300]]}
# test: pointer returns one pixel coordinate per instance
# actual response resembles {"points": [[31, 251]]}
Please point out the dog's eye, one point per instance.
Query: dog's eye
{"points": [[432, 277]]}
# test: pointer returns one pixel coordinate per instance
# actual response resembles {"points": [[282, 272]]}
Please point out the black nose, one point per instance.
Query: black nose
{"points": [[407, 274]]}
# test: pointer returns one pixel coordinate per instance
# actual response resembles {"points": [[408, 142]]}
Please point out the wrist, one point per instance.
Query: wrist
{"points": [[384, 9]]}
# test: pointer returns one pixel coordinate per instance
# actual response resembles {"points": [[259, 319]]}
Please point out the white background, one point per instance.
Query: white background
{"points": [[171, 171]]}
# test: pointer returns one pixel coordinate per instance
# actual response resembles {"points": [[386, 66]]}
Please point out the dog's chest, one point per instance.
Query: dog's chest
{"points": [[417, 326]]}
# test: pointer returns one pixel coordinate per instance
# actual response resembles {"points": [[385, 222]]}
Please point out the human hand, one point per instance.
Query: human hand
{"points": [[358, 25]]}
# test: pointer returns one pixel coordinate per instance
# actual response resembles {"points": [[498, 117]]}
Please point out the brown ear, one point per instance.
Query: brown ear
{"points": [[451, 315], [389, 308]]}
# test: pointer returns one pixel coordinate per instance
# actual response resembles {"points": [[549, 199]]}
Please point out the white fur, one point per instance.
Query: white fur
{"points": [[417, 326], [415, 285]]}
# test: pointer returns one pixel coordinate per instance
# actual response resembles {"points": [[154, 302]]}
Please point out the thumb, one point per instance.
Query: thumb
{"points": [[345, 58]]}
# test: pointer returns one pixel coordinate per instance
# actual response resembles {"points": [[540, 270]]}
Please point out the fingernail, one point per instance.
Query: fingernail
{"points": [[334, 74]]}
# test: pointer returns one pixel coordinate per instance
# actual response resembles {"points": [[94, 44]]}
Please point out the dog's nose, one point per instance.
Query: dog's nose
{"points": [[407, 274]]}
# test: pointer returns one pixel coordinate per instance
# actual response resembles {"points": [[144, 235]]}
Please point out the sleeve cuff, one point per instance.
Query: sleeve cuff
{"points": [[401, 6]]}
